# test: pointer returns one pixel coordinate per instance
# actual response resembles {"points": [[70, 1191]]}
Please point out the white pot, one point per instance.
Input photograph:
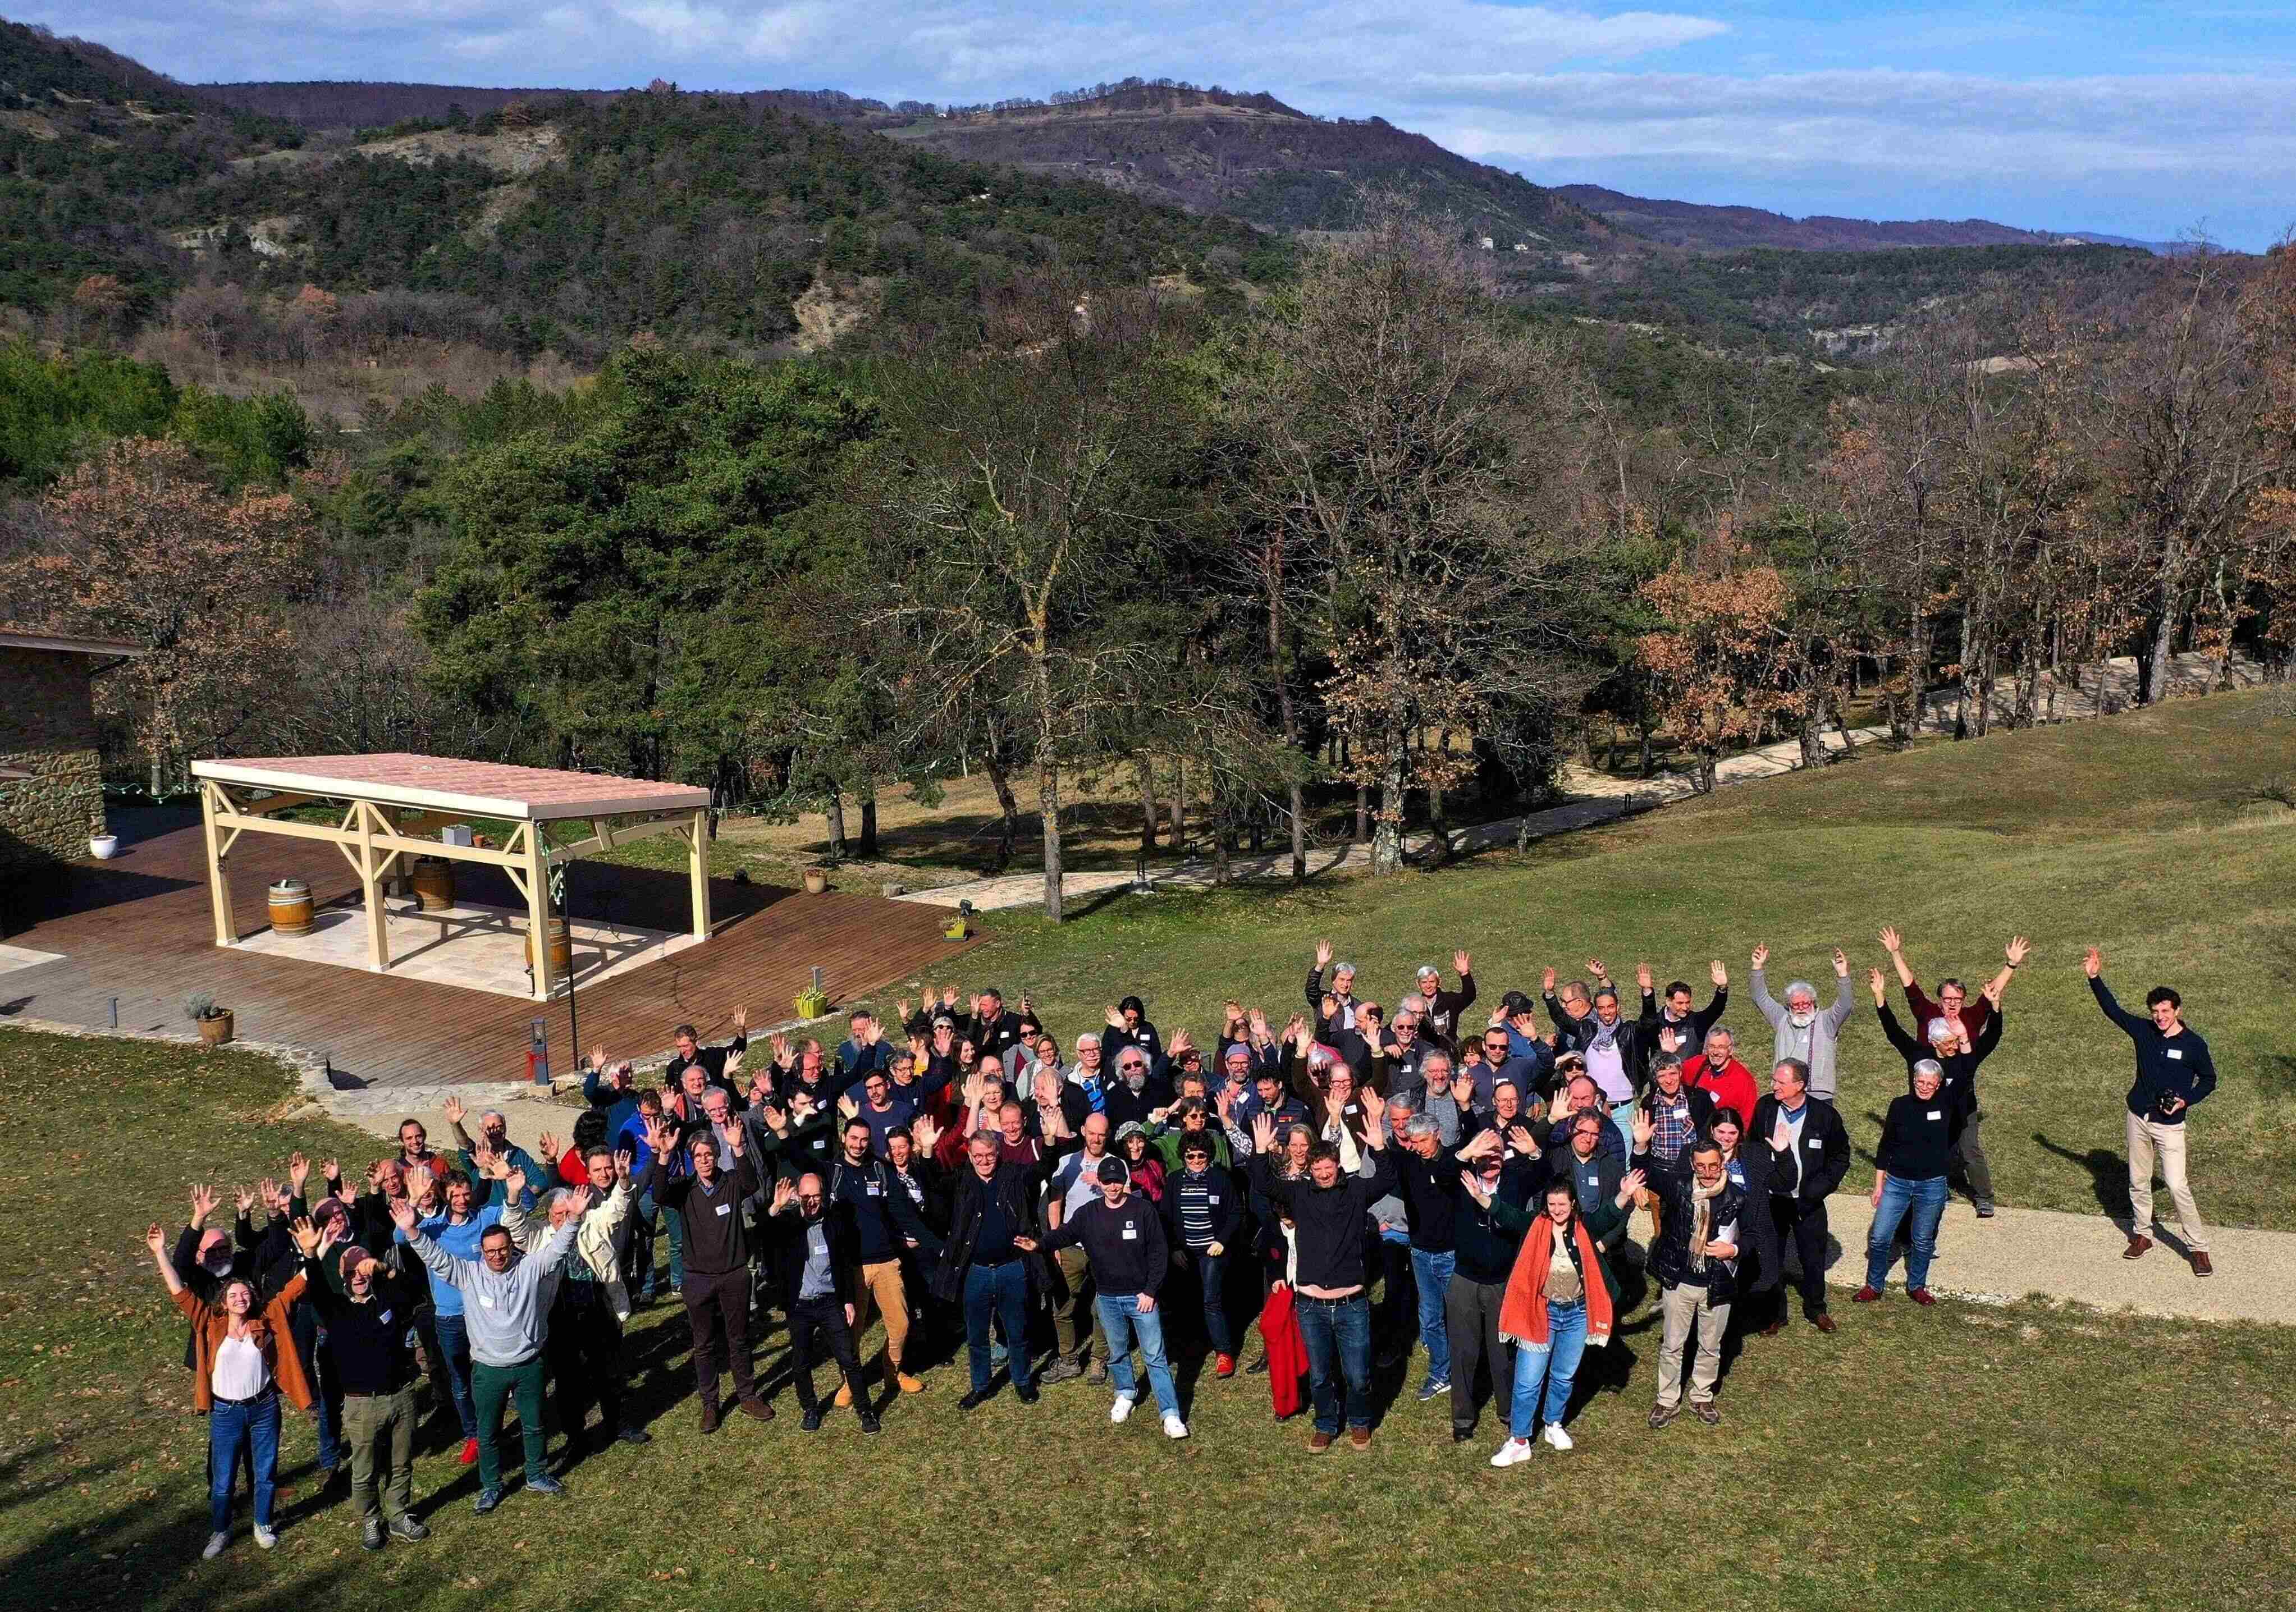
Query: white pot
{"points": [[103, 846]]}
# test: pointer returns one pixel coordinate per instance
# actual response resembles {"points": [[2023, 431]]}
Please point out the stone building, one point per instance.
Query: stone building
{"points": [[50, 784]]}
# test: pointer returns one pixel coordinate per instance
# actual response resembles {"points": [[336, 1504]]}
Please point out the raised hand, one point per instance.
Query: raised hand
{"points": [[1645, 1129], [551, 1151], [598, 1058], [1111, 1017], [1841, 963], [455, 1110], [1881, 992], [330, 1171], [204, 1200], [418, 1182], [306, 1236], [761, 1090], [299, 1170], [2092, 962], [1259, 1024], [374, 1176], [924, 1132], [1670, 1040], [2018, 950], [1643, 977], [780, 1049], [1891, 941], [732, 1064], [1323, 955], [1594, 966], [1231, 1016], [246, 1197], [1522, 1141], [1715, 972], [901, 1008], [949, 996], [775, 1120], [1630, 1186], [1463, 962], [1482, 1144], [514, 1184], [1472, 1183], [741, 1019], [490, 1163], [403, 1215], [784, 1195], [1546, 979], [1331, 1006], [156, 1239], [1263, 1131], [1781, 1136], [1180, 1044], [736, 1141], [1761, 956]]}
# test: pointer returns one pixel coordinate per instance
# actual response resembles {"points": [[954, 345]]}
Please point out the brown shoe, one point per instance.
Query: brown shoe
{"points": [[2138, 1246], [1318, 1441], [909, 1384], [1824, 1323], [1662, 1414], [1359, 1438], [710, 1416], [1706, 1411], [2201, 1266], [759, 1408], [1921, 1295], [1775, 1328]]}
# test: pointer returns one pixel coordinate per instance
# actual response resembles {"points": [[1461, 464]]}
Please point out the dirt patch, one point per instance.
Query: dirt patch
{"points": [[32, 123]]}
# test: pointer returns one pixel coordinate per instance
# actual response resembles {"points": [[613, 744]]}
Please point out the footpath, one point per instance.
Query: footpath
{"points": [[1595, 797]]}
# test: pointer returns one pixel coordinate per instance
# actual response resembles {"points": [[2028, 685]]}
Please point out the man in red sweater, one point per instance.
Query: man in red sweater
{"points": [[1721, 1076], [1952, 1001]]}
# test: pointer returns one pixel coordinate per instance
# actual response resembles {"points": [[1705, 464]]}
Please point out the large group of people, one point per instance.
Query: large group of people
{"points": [[1049, 1208]]}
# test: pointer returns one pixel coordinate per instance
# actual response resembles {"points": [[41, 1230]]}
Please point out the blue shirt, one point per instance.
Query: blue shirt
{"points": [[462, 1241]]}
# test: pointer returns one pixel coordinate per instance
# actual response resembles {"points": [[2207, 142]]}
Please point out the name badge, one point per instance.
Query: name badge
{"points": [[485, 1301], [724, 1209], [1936, 1113], [1211, 1197], [875, 1190], [1818, 1141], [385, 1318], [2176, 1053], [1129, 1234]]}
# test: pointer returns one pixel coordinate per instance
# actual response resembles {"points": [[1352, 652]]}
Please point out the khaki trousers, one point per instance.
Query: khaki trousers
{"points": [[1686, 1306], [881, 1286], [1075, 1320], [381, 1424], [2149, 1139]]}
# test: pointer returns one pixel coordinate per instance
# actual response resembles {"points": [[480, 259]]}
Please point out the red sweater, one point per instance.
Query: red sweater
{"points": [[1732, 1088], [1974, 1012]]}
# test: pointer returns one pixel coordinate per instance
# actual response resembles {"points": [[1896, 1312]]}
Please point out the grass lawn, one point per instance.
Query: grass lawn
{"points": [[1965, 1456], [2142, 833]]}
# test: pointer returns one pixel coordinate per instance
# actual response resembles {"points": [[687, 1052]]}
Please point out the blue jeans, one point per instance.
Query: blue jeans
{"points": [[255, 1426], [1555, 1362], [1121, 1320], [1211, 1274], [1337, 1333], [1431, 1274], [999, 1290], [455, 1354], [1924, 1200]]}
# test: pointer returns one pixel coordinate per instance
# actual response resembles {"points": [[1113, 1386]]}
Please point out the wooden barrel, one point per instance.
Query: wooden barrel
{"points": [[561, 949], [290, 907], [434, 883]]}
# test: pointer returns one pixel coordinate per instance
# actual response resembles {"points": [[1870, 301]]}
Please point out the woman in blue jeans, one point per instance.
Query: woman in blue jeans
{"points": [[1909, 1182], [1559, 1302]]}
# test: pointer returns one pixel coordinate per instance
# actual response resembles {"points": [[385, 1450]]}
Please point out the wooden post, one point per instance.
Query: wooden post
{"points": [[378, 941], [226, 932], [537, 909], [697, 862]]}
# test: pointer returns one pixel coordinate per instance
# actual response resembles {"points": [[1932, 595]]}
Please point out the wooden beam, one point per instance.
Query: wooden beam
{"points": [[378, 935], [219, 875], [387, 841], [608, 837], [537, 909], [275, 803], [697, 859]]}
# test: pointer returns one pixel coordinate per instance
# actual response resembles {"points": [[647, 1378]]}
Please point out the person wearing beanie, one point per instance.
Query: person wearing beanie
{"points": [[367, 1333]]}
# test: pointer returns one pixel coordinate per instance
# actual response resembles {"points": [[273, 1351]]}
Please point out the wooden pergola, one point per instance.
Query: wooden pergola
{"points": [[388, 800]]}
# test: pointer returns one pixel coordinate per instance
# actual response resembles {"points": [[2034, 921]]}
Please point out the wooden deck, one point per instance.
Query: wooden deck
{"points": [[138, 929]]}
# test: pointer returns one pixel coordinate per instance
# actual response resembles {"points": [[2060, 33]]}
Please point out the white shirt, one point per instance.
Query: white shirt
{"points": [[239, 1372]]}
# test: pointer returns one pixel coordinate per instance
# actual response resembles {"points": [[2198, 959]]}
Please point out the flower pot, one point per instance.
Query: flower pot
{"points": [[103, 847], [217, 1030], [817, 881], [894, 886]]}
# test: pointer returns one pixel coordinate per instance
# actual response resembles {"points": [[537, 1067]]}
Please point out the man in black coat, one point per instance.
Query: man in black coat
{"points": [[993, 1028], [1694, 1256], [816, 1254], [984, 1265], [1809, 1153]]}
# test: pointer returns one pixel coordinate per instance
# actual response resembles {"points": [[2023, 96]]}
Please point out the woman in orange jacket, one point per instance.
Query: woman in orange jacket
{"points": [[243, 1360]]}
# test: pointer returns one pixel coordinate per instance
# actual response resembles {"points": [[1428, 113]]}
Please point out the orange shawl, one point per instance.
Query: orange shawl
{"points": [[1522, 1313]]}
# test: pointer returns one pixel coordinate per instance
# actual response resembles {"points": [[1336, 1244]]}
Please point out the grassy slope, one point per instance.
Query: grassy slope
{"points": [[2130, 832], [1946, 1459]]}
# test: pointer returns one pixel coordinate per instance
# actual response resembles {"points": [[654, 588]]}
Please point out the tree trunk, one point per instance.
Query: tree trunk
{"points": [[1009, 837], [1220, 830], [868, 845], [1813, 737], [1179, 804], [1363, 812], [1387, 834], [2164, 633], [836, 826], [1144, 770], [1271, 564], [1048, 813]]}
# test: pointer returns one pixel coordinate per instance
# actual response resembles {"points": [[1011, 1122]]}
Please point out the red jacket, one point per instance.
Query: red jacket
{"points": [[1732, 1088]]}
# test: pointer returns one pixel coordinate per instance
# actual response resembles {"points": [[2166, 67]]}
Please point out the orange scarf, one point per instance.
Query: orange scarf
{"points": [[1522, 1313]]}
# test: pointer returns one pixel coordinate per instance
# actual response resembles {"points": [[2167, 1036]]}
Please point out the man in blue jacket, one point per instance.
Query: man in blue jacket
{"points": [[2174, 1071]]}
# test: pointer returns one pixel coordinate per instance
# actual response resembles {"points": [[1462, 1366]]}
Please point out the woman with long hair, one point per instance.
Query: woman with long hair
{"points": [[1559, 1302]]}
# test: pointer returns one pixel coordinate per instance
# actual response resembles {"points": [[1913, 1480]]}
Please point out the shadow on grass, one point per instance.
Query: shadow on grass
{"points": [[2108, 1173]]}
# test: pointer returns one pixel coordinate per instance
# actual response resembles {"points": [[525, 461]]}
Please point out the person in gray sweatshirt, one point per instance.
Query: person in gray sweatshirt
{"points": [[1798, 1029], [506, 1298]]}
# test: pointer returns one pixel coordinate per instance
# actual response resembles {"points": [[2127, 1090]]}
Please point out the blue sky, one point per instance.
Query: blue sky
{"points": [[2148, 121]]}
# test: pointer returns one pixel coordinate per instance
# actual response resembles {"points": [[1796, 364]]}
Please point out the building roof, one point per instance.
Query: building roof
{"points": [[484, 788], [14, 638]]}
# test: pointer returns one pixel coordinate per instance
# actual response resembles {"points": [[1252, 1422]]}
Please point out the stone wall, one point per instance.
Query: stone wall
{"points": [[47, 728]]}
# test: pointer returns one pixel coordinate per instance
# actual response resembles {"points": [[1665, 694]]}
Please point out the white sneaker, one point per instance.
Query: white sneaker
{"points": [[1556, 1436], [1512, 1451], [1122, 1408], [1174, 1428], [264, 1537], [218, 1543]]}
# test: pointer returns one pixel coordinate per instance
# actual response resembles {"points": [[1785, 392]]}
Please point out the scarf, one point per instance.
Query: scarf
{"points": [[1606, 1036], [1522, 1313], [1701, 1200]]}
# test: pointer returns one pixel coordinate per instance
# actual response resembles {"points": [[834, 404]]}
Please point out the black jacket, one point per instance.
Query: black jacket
{"points": [[1227, 1208], [787, 1232], [1126, 1246], [1959, 1089], [1695, 1026], [1441, 1021], [999, 1035], [1824, 1148], [1637, 1040], [884, 1216], [1670, 1256], [1596, 1182], [712, 1060], [717, 1236], [1332, 1220], [1016, 1186]]}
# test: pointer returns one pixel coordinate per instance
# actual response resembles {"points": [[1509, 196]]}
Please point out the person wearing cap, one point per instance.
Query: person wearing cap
{"points": [[1123, 1237], [1328, 1211], [367, 1327], [1203, 1220], [1341, 1013], [1079, 1348], [1910, 1180], [1802, 1031], [1443, 1016]]}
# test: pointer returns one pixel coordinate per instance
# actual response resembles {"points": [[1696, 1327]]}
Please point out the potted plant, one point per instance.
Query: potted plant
{"points": [[214, 1023], [812, 1003], [817, 881], [102, 844]]}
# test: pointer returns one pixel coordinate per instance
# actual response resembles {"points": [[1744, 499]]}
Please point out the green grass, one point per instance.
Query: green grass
{"points": [[1966, 1456], [2140, 833]]}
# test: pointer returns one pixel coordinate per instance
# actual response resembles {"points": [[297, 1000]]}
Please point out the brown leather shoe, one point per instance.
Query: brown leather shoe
{"points": [[2138, 1246], [1359, 1438], [1704, 1410], [1318, 1441], [2201, 1266], [710, 1416], [1775, 1328], [909, 1384], [1824, 1323], [759, 1408]]}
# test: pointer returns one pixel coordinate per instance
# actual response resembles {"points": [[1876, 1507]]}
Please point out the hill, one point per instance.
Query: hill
{"points": [[358, 104], [1731, 228]]}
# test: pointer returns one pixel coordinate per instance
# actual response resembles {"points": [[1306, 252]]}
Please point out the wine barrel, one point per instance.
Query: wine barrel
{"points": [[290, 907], [434, 883], [561, 949]]}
